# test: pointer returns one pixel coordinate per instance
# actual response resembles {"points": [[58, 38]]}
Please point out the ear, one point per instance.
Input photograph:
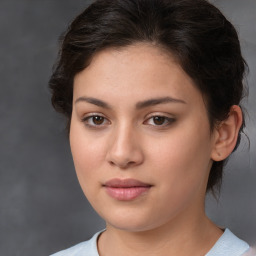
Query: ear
{"points": [[225, 135]]}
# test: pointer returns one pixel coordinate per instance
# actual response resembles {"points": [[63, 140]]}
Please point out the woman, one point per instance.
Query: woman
{"points": [[151, 90]]}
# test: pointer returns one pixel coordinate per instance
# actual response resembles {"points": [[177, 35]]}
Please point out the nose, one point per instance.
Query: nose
{"points": [[125, 150]]}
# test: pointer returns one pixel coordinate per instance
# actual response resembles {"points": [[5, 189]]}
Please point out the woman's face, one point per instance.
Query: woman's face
{"points": [[140, 138]]}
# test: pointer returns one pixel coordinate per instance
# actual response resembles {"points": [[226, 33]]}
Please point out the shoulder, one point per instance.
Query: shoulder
{"points": [[229, 245], [87, 248]]}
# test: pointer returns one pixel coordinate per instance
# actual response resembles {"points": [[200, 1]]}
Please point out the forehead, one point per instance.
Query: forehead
{"points": [[140, 70], [136, 51]]}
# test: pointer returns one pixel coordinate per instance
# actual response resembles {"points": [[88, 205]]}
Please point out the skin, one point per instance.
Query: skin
{"points": [[123, 140]]}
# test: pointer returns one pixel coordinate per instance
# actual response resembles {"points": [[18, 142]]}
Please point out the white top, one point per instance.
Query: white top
{"points": [[227, 245]]}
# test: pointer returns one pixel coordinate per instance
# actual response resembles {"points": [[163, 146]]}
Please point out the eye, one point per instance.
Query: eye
{"points": [[159, 120], [95, 120]]}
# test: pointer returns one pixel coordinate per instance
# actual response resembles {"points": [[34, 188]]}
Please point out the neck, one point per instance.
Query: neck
{"points": [[185, 235]]}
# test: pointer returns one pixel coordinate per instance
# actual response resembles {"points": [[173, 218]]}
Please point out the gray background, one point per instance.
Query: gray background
{"points": [[42, 208]]}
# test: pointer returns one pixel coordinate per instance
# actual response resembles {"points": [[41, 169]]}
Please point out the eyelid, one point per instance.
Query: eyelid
{"points": [[87, 117], [167, 117]]}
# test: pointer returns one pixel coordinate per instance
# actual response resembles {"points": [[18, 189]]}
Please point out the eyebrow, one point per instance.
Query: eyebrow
{"points": [[139, 105], [156, 101], [93, 101]]}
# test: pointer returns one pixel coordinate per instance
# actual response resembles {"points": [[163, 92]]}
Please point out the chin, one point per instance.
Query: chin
{"points": [[126, 220], [132, 222]]}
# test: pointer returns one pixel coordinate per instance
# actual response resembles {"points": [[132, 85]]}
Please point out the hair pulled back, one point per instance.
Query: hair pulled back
{"points": [[203, 41]]}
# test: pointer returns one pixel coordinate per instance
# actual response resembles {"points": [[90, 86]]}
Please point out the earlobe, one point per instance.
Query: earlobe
{"points": [[226, 134]]}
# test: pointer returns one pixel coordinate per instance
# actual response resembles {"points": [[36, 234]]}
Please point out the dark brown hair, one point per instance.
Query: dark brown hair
{"points": [[204, 42]]}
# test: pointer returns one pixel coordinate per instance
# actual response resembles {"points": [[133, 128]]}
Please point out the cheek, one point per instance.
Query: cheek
{"points": [[183, 160], [87, 154], [180, 172]]}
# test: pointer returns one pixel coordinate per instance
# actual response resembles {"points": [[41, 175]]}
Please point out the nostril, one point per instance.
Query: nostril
{"points": [[124, 155], [123, 164], [112, 163]]}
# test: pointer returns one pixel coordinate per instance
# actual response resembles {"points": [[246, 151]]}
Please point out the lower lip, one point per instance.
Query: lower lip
{"points": [[126, 194]]}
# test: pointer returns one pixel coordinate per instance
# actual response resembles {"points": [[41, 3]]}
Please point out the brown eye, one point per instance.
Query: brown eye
{"points": [[159, 120], [95, 121], [98, 120], [162, 121]]}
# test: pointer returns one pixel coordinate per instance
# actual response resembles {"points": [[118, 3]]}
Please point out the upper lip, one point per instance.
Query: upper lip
{"points": [[125, 183]]}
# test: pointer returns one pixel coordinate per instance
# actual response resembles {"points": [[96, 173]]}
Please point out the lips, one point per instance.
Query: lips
{"points": [[127, 189]]}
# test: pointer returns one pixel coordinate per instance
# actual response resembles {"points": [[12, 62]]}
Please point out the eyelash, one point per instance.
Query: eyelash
{"points": [[167, 121], [89, 122], [86, 120]]}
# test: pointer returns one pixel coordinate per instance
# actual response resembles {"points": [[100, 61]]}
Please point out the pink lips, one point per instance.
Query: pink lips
{"points": [[126, 190]]}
